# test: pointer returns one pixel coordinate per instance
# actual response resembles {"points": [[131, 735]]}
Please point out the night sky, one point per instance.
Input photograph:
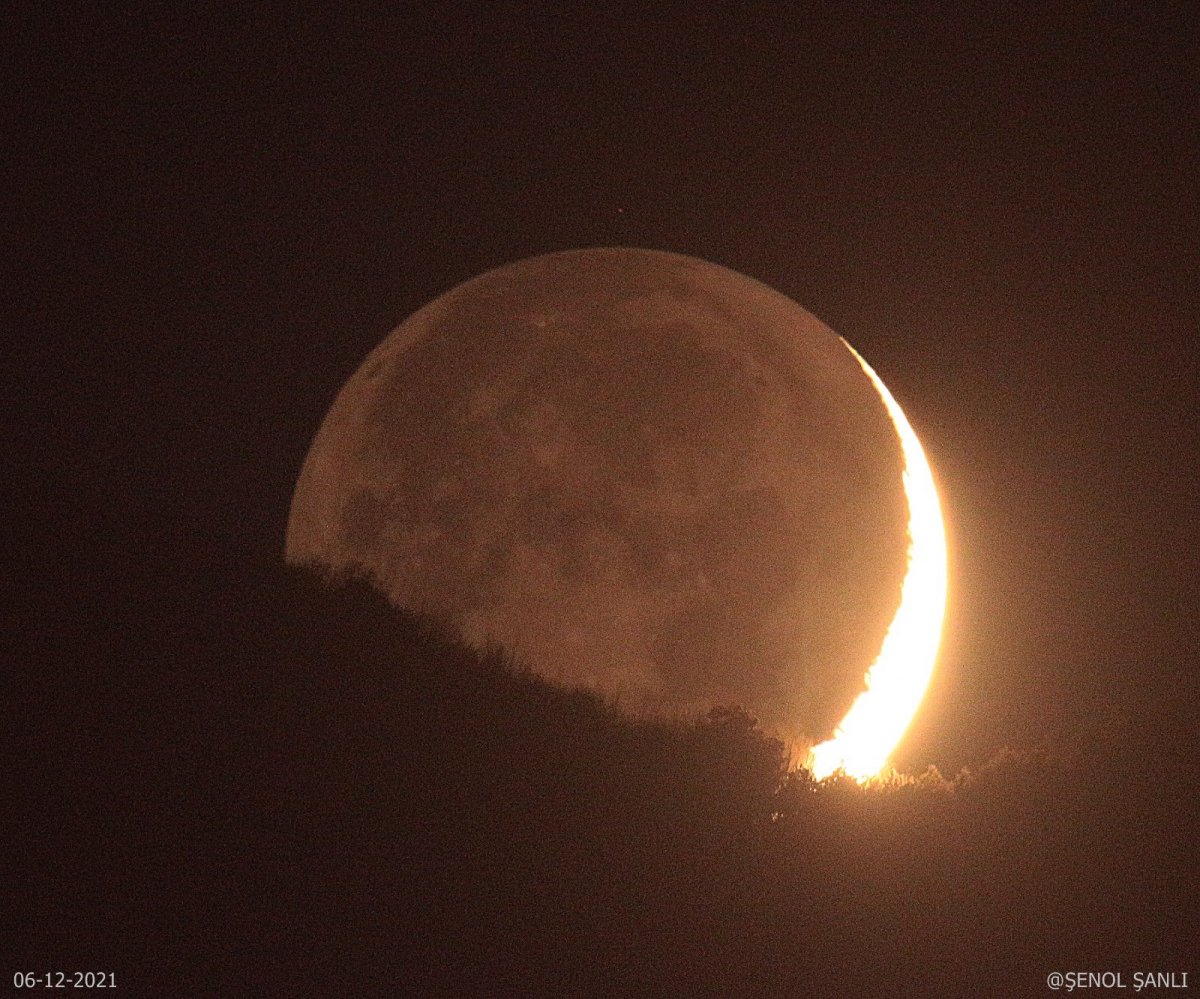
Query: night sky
{"points": [[214, 214]]}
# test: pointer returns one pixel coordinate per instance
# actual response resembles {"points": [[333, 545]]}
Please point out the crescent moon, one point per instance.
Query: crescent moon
{"points": [[651, 476], [897, 680]]}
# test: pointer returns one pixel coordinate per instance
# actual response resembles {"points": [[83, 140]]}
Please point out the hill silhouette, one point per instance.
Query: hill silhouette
{"points": [[296, 789]]}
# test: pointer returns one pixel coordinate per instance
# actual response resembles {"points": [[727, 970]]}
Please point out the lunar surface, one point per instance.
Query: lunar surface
{"points": [[638, 471]]}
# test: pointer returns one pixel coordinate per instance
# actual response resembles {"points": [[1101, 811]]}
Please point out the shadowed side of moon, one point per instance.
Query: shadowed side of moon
{"points": [[638, 471]]}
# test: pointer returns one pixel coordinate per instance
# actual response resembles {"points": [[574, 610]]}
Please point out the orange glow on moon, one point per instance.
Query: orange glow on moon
{"points": [[897, 680]]}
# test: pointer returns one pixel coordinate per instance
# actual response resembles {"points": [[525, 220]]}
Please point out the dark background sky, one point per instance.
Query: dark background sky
{"points": [[214, 213]]}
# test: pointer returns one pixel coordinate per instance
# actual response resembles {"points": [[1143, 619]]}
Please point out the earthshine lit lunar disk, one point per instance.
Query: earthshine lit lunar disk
{"points": [[640, 473]]}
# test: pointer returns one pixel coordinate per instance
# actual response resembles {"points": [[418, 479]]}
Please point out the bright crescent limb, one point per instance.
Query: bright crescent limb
{"points": [[897, 680]]}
